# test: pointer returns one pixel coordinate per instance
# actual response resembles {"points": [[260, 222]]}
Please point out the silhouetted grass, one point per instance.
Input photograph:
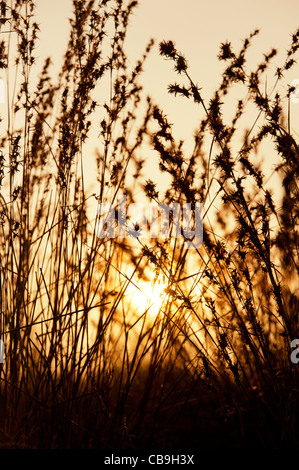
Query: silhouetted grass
{"points": [[88, 366]]}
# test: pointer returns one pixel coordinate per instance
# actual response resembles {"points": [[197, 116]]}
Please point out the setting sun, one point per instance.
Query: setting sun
{"points": [[148, 296]]}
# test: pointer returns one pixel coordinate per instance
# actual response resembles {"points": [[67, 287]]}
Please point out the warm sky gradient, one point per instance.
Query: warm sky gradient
{"points": [[198, 27]]}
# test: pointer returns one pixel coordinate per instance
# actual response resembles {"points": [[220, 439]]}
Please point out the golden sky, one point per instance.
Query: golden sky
{"points": [[198, 27]]}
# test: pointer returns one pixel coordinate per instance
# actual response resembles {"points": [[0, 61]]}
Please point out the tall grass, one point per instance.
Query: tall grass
{"points": [[88, 365]]}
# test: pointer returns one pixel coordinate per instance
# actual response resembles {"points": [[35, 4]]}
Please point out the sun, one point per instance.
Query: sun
{"points": [[156, 297], [148, 296]]}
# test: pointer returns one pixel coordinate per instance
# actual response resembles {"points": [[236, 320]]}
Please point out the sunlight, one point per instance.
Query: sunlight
{"points": [[148, 296]]}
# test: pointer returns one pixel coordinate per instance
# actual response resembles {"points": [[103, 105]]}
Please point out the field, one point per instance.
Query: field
{"points": [[117, 341]]}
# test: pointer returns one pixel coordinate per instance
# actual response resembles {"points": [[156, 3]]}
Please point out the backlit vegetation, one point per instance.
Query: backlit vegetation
{"points": [[118, 343]]}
